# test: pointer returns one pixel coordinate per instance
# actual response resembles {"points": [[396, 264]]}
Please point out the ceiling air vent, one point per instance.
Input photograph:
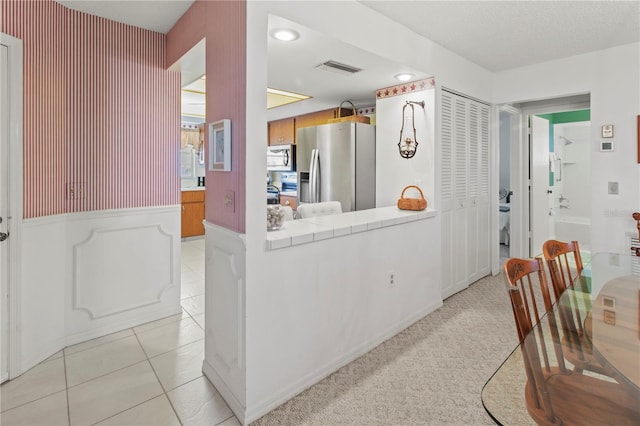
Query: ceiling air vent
{"points": [[334, 66]]}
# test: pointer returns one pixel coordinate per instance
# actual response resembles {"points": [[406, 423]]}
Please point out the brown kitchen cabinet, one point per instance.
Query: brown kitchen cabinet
{"points": [[282, 132], [315, 118], [192, 213], [286, 200]]}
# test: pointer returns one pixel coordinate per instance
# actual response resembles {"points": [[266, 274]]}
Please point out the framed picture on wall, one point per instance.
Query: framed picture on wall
{"points": [[220, 146]]}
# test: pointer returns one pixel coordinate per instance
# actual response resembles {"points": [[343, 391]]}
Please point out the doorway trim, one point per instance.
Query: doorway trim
{"points": [[15, 186], [544, 106]]}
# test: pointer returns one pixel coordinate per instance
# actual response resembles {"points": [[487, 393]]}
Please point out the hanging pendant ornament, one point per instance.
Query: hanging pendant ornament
{"points": [[408, 144]]}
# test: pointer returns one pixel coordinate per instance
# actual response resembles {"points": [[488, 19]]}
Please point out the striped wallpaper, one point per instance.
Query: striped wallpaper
{"points": [[101, 114], [224, 26]]}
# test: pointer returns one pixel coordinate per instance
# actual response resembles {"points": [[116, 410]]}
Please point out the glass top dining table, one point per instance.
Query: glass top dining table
{"points": [[607, 297]]}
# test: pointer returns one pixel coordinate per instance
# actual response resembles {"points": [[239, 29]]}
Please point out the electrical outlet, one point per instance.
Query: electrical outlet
{"points": [[392, 279], [75, 190], [613, 188]]}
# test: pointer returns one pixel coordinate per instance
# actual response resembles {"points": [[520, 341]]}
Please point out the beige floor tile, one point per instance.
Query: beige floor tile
{"points": [[50, 410], [191, 253], [42, 380], [156, 412], [199, 319], [57, 355], [193, 305], [171, 336], [177, 367], [199, 403], [103, 359], [101, 398], [97, 342], [196, 265], [232, 421], [158, 323], [191, 277], [191, 289]]}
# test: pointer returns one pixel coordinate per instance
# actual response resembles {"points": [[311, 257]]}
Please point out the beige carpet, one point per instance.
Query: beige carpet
{"points": [[430, 374]]}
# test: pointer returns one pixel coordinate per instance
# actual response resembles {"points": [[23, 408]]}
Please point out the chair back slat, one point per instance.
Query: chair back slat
{"points": [[530, 354], [564, 275], [528, 276]]}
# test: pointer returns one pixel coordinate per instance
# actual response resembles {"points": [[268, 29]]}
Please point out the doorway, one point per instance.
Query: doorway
{"points": [[10, 201], [531, 172], [4, 254]]}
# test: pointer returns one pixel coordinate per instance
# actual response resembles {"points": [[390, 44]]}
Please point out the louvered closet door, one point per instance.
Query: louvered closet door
{"points": [[447, 193], [464, 192], [478, 192]]}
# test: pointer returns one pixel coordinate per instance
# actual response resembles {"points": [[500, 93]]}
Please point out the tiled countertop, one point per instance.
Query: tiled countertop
{"points": [[303, 231]]}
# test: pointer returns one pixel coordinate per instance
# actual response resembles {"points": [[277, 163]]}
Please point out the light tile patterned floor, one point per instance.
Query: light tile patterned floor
{"points": [[146, 375]]}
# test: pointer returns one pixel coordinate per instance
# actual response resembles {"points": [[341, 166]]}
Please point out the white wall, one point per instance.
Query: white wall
{"points": [[279, 306], [611, 76], [96, 273], [393, 172]]}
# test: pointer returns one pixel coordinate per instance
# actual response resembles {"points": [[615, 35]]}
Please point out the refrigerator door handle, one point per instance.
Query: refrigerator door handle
{"points": [[313, 177]]}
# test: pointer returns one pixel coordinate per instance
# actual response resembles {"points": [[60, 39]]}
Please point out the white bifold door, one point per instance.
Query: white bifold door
{"points": [[464, 192]]}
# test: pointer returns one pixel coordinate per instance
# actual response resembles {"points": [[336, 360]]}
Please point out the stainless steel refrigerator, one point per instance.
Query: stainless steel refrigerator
{"points": [[337, 162]]}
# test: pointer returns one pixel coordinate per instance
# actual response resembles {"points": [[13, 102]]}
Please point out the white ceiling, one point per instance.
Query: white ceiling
{"points": [[155, 15], [500, 35], [496, 35]]}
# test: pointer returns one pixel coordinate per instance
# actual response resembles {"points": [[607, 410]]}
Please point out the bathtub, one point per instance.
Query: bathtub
{"points": [[569, 228]]}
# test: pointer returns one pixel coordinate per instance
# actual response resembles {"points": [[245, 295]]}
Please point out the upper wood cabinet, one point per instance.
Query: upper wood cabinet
{"points": [[282, 132], [315, 118]]}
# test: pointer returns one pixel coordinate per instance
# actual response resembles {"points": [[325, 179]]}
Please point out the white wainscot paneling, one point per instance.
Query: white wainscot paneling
{"points": [[224, 359], [124, 270], [41, 291], [120, 269]]}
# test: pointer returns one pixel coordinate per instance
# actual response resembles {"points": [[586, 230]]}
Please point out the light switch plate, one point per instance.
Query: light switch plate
{"points": [[613, 188], [230, 200]]}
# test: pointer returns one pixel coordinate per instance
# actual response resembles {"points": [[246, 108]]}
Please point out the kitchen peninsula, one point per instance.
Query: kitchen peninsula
{"points": [[344, 284], [318, 228]]}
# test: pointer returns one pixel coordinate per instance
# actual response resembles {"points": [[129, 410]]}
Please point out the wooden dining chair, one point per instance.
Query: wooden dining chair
{"points": [[529, 277], [565, 266], [557, 396], [568, 265]]}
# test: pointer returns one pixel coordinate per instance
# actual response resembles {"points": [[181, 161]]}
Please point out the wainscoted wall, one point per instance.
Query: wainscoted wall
{"points": [[95, 273], [101, 136], [101, 113], [225, 342]]}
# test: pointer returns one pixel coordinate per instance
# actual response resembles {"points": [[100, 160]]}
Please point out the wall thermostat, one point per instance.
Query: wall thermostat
{"points": [[607, 131], [606, 146]]}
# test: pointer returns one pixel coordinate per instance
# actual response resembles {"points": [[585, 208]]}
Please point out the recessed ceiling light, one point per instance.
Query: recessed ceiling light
{"points": [[405, 76], [284, 34]]}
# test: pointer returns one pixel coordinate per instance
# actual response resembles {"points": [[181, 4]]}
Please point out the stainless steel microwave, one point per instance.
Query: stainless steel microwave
{"points": [[281, 158]]}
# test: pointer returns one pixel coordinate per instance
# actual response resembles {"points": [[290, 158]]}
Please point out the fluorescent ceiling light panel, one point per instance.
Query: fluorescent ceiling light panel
{"points": [[276, 98]]}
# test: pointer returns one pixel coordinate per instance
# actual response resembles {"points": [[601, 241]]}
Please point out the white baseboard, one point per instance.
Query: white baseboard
{"points": [[231, 400], [114, 327]]}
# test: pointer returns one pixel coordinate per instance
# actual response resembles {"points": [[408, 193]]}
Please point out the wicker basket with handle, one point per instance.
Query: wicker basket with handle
{"points": [[352, 118], [412, 203]]}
